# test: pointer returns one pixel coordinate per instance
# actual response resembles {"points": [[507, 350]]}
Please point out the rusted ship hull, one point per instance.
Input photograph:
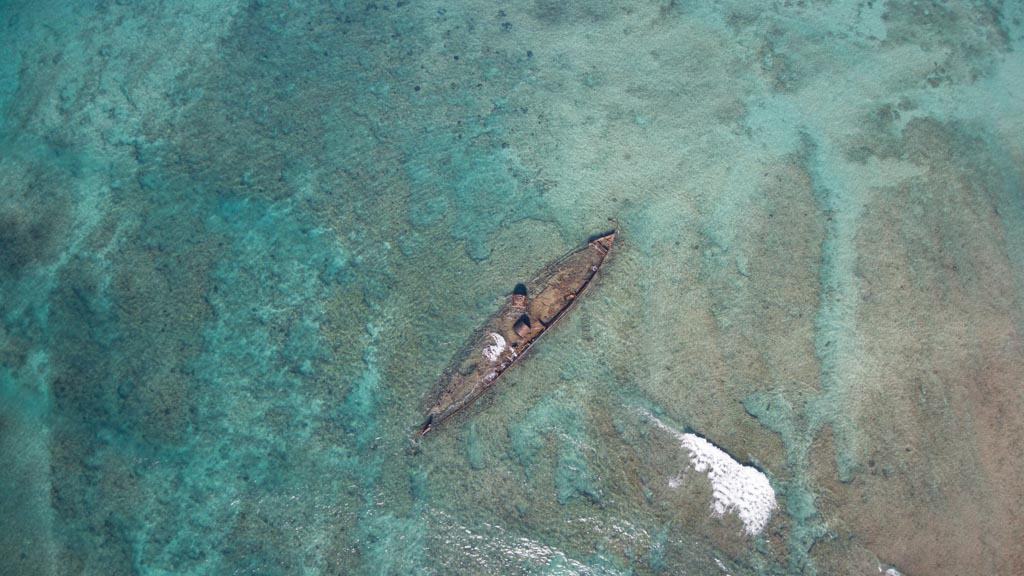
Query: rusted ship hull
{"points": [[510, 333]]}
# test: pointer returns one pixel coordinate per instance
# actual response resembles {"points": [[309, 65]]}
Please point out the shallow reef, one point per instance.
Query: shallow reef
{"points": [[240, 241]]}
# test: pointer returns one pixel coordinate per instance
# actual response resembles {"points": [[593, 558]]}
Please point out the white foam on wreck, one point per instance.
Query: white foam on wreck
{"points": [[736, 488], [493, 351]]}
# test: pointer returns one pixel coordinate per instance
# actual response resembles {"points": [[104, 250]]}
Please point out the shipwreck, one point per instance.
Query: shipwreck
{"points": [[531, 310]]}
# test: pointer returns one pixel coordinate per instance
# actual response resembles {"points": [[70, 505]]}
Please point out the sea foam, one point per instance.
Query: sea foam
{"points": [[737, 488], [493, 351]]}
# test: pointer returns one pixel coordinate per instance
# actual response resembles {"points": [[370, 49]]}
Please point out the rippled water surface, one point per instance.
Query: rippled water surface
{"points": [[240, 241]]}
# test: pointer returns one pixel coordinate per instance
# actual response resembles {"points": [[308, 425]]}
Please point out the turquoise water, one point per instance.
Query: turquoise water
{"points": [[240, 241]]}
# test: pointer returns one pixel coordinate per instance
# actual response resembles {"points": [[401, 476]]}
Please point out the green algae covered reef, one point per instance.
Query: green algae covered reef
{"points": [[239, 241]]}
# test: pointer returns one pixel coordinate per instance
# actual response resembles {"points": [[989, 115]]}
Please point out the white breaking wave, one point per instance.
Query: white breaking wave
{"points": [[743, 490], [493, 351]]}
